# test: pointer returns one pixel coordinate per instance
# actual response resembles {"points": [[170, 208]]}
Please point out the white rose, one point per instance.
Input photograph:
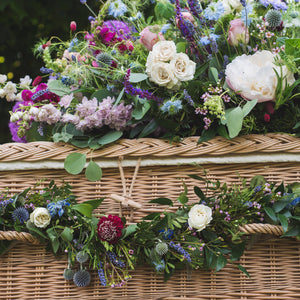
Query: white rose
{"points": [[40, 217], [199, 216], [163, 51], [163, 74], [184, 68], [253, 76]]}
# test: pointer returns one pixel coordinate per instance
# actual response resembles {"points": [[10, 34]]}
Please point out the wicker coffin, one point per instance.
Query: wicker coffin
{"points": [[27, 271]]}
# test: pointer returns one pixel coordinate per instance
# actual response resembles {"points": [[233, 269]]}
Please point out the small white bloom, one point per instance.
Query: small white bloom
{"points": [[16, 116], [40, 217], [25, 82], [10, 88], [184, 68], [3, 78], [199, 216], [10, 97]]}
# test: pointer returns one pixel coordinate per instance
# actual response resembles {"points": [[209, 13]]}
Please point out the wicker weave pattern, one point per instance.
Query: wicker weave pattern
{"points": [[270, 143], [29, 272], [32, 273]]}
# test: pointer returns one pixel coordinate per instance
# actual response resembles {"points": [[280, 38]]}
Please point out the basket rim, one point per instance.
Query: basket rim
{"points": [[150, 147], [249, 229]]}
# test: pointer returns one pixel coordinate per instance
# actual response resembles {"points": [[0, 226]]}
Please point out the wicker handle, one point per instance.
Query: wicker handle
{"points": [[19, 236], [262, 228], [248, 229]]}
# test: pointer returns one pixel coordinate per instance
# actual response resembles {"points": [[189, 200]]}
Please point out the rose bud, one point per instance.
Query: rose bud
{"points": [[73, 26], [238, 32], [149, 36]]}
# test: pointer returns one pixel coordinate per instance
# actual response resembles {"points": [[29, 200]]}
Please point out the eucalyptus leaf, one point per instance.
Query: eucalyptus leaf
{"points": [[67, 234], [110, 137], [137, 77], [140, 110], [75, 162], [248, 107], [234, 120], [213, 74], [129, 230], [58, 88], [93, 172]]}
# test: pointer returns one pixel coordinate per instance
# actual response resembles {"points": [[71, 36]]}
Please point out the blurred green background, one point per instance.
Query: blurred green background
{"points": [[23, 24]]}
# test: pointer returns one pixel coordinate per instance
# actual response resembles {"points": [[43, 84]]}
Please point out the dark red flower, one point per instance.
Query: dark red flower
{"points": [[267, 118], [110, 229]]}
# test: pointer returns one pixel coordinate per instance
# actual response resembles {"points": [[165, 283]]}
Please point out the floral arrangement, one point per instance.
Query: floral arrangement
{"points": [[165, 69], [202, 235]]}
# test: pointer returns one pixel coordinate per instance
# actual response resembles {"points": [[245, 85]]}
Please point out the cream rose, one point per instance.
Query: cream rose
{"points": [[163, 74], [253, 76], [163, 51], [40, 217], [199, 216], [184, 68]]}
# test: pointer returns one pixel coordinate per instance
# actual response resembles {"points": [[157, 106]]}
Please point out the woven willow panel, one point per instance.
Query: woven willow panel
{"points": [[29, 272]]}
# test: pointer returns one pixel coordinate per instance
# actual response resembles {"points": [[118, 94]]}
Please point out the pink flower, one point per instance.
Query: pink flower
{"points": [[149, 38], [238, 32], [129, 45], [110, 229], [73, 26]]}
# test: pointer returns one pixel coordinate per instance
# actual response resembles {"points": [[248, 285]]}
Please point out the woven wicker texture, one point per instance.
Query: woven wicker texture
{"points": [[31, 273], [270, 143]]}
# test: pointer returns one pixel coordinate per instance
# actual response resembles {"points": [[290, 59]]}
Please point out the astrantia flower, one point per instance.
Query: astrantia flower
{"points": [[110, 229], [214, 11], [21, 214], [117, 9]]}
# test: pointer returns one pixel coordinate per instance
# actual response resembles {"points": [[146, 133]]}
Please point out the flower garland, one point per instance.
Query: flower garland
{"points": [[199, 235]]}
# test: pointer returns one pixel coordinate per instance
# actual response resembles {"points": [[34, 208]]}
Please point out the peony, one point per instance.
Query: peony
{"points": [[149, 38], [253, 76], [163, 51], [199, 216], [238, 32], [110, 229], [163, 74], [40, 217], [184, 68]]}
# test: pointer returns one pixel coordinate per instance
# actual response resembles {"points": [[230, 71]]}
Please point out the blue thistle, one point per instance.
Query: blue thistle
{"points": [[21, 214], [82, 278], [82, 257]]}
